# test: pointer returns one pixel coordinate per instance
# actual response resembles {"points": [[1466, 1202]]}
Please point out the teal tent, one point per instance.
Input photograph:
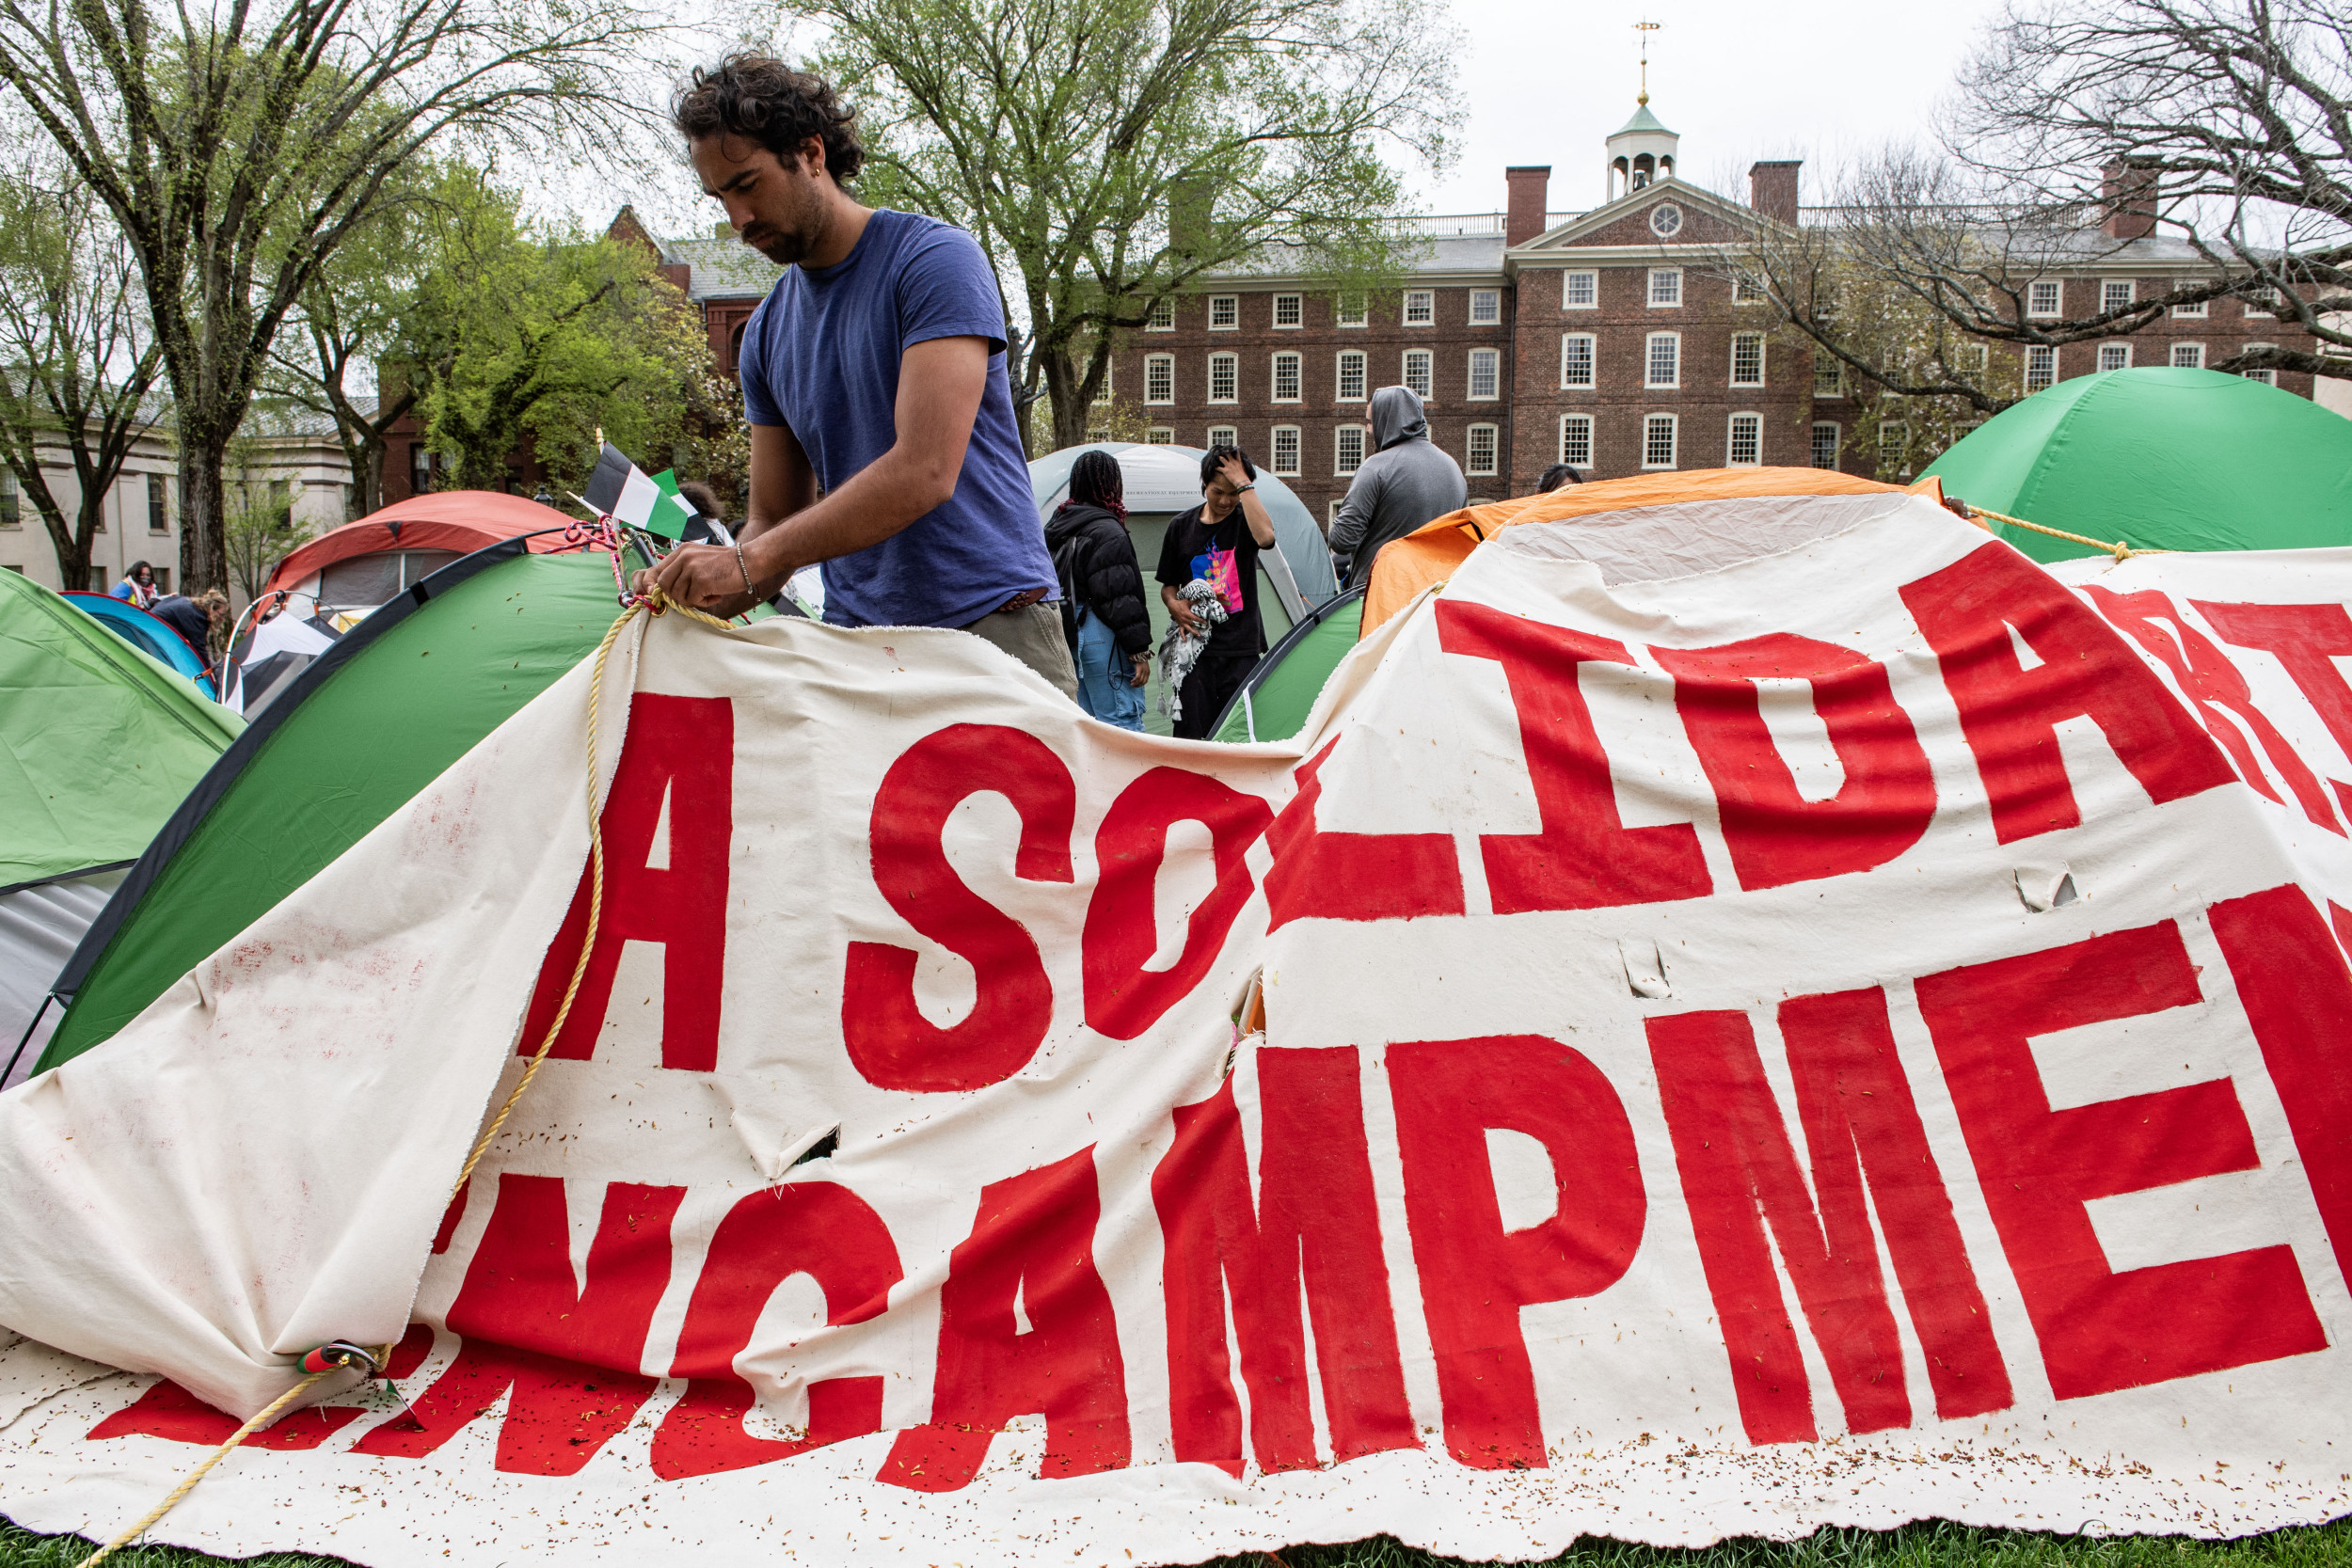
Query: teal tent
{"points": [[2160, 459], [357, 732], [99, 743]]}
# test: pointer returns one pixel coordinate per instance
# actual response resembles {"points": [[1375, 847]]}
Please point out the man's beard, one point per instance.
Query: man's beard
{"points": [[782, 247]]}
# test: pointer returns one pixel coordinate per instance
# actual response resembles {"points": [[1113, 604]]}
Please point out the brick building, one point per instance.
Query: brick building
{"points": [[1607, 339]]}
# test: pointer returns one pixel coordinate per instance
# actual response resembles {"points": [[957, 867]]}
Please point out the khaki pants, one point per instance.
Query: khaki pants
{"points": [[1034, 637]]}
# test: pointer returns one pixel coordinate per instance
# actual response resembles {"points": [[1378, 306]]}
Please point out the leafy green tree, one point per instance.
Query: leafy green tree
{"points": [[1106, 152], [78, 365], [522, 339], [240, 146]]}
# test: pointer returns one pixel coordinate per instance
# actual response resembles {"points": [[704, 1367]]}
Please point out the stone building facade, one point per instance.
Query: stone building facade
{"points": [[1607, 339]]}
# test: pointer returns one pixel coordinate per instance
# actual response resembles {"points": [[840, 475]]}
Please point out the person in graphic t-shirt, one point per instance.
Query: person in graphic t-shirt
{"points": [[1218, 542], [874, 372]]}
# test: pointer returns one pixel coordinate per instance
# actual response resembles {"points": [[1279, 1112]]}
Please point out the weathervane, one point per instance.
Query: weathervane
{"points": [[1646, 28]]}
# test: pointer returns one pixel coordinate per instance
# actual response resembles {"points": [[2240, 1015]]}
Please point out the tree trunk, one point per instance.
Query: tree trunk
{"points": [[203, 505], [70, 546], [1072, 387]]}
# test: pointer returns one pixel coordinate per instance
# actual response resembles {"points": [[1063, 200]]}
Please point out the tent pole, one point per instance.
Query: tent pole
{"points": [[26, 1038]]}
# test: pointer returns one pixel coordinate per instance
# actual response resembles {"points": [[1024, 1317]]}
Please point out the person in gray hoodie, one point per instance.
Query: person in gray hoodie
{"points": [[1404, 482]]}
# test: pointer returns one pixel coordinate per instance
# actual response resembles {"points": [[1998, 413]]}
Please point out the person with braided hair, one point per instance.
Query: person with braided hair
{"points": [[1105, 617]]}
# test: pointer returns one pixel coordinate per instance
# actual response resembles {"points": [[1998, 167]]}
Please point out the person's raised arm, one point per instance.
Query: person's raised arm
{"points": [[940, 384], [1253, 511]]}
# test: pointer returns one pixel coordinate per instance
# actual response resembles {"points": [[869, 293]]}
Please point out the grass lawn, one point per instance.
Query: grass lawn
{"points": [[1928, 1546]]}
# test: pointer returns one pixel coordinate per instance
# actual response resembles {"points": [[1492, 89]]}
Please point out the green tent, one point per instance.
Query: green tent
{"points": [[1273, 704], [2161, 459], [99, 743], [361, 729]]}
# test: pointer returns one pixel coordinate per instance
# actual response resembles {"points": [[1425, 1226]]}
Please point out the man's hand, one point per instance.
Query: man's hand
{"points": [[1180, 610], [707, 576], [1143, 669]]}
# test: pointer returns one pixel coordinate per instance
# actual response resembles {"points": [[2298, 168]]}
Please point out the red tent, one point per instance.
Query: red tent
{"points": [[368, 562]]}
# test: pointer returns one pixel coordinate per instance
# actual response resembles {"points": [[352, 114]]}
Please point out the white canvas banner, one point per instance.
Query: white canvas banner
{"points": [[1733, 1018]]}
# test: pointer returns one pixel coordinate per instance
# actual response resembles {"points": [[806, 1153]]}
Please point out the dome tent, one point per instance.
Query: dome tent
{"points": [[2160, 459], [147, 633], [99, 742], [362, 564]]}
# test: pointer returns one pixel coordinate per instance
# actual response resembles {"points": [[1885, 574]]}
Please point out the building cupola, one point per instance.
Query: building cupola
{"points": [[1640, 152]]}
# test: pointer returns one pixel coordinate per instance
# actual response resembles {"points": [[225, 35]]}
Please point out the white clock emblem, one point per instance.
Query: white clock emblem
{"points": [[1665, 220]]}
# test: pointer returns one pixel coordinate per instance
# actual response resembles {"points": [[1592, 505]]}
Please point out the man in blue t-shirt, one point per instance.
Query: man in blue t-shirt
{"points": [[873, 375]]}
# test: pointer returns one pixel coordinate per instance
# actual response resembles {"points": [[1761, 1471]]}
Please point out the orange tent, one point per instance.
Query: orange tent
{"points": [[458, 522], [1430, 555]]}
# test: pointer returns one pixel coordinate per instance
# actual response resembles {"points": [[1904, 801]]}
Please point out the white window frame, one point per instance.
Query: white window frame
{"points": [[1745, 291], [1229, 303], [1339, 375], [2034, 308], [2198, 312], [1836, 368], [1567, 290], [1731, 441], [1110, 373], [1295, 306], [1665, 288], [1222, 436], [1420, 308], [2108, 286], [1167, 364], [2268, 377], [1163, 315], [2124, 363], [1592, 361], [1650, 423], [1837, 444], [1490, 300], [1757, 338], [1298, 365], [1492, 356], [1099, 433], [1649, 361], [1576, 421], [1494, 450], [1339, 448], [2042, 368], [1899, 429], [1231, 364], [1425, 360], [2173, 356], [1160, 436], [1296, 443], [2255, 310], [1351, 311]]}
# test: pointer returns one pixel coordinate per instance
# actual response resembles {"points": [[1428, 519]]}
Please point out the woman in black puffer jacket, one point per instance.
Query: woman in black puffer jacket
{"points": [[1103, 592]]}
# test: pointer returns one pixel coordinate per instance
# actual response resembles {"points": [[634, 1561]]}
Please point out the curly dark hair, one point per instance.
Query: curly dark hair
{"points": [[1213, 459], [761, 97]]}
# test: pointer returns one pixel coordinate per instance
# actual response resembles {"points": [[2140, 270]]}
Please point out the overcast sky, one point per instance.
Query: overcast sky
{"points": [[1544, 82]]}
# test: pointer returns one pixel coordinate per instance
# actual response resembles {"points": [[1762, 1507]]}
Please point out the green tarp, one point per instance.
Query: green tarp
{"points": [[2161, 459], [1273, 704], [373, 720], [97, 741]]}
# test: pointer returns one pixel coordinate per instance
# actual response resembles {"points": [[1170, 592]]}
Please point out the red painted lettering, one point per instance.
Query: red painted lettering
{"points": [[818, 1228], [2306, 639], [1123, 998], [2215, 684], [1740, 1172], [1474, 1275], [1032, 1244], [566, 1357], [2298, 995], [1316, 1224], [1585, 857], [169, 1411], [2101, 1330], [680, 751], [889, 1039], [2009, 714], [1777, 835], [1322, 875]]}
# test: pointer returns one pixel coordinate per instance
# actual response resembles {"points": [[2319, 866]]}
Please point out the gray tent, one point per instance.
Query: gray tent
{"points": [[1163, 480]]}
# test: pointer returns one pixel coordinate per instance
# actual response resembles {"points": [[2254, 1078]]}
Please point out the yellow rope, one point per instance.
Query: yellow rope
{"points": [[2120, 549], [657, 604]]}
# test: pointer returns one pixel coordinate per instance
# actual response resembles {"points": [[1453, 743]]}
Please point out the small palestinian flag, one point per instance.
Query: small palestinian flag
{"points": [[622, 491]]}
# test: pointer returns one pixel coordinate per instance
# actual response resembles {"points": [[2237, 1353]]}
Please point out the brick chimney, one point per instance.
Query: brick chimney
{"points": [[1772, 190], [2128, 192], [1530, 185]]}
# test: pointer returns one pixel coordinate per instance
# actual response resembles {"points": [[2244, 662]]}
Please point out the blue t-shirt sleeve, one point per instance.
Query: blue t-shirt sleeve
{"points": [[751, 371], [947, 290]]}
